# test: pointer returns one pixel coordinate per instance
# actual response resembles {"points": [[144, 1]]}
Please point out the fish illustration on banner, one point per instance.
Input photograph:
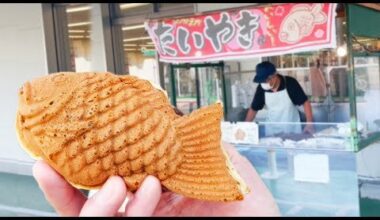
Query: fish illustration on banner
{"points": [[300, 22]]}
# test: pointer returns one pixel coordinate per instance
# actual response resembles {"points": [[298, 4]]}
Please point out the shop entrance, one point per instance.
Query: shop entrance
{"points": [[197, 85]]}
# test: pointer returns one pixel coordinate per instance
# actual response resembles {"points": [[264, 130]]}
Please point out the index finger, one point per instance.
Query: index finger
{"points": [[64, 198], [146, 199]]}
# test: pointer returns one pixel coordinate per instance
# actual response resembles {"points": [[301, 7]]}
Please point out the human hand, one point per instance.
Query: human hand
{"points": [[259, 202], [309, 129], [69, 201]]}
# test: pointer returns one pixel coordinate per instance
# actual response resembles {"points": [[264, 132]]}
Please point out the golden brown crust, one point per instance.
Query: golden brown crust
{"points": [[105, 126], [89, 126], [205, 172]]}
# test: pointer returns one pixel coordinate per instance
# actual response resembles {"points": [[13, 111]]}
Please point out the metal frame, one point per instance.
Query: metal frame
{"points": [[351, 83], [173, 95], [116, 35], [224, 90], [117, 19], [50, 41], [156, 13], [58, 42], [357, 143], [197, 85], [161, 70], [107, 32], [62, 37]]}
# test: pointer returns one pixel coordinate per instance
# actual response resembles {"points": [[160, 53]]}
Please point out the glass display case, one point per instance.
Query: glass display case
{"points": [[364, 74], [308, 174], [333, 193]]}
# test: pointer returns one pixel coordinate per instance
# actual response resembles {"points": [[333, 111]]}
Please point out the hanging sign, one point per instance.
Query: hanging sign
{"points": [[244, 33], [148, 53]]}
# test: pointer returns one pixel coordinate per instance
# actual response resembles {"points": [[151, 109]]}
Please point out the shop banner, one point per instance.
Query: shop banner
{"points": [[249, 32]]}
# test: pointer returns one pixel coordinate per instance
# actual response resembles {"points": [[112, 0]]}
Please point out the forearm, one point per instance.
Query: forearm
{"points": [[251, 114], [308, 111]]}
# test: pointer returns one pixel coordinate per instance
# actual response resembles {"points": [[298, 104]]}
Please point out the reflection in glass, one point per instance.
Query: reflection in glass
{"points": [[79, 31], [367, 83], [185, 89], [139, 52], [366, 45], [167, 82], [210, 84], [131, 9]]}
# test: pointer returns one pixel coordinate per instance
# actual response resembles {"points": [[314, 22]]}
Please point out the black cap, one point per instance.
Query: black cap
{"points": [[263, 70]]}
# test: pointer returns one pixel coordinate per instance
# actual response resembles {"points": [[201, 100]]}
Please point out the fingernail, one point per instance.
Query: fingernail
{"points": [[147, 184], [146, 198], [108, 190]]}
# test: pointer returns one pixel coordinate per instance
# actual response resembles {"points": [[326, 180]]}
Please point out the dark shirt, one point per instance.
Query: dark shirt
{"points": [[295, 92]]}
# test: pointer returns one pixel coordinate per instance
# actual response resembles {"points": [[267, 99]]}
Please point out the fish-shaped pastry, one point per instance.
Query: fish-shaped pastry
{"points": [[300, 22], [89, 126]]}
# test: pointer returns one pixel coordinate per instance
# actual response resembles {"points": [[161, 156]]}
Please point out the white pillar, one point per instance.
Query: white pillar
{"points": [[98, 53], [22, 58]]}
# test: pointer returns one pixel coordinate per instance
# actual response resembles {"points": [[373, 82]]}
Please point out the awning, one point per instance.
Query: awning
{"points": [[364, 21], [245, 33]]}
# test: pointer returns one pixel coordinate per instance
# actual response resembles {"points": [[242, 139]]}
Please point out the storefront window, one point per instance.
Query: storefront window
{"points": [[240, 88], [140, 55], [210, 84], [167, 82], [139, 52], [131, 9], [185, 88], [302, 65], [195, 85], [367, 83], [85, 36], [79, 30], [366, 45]]}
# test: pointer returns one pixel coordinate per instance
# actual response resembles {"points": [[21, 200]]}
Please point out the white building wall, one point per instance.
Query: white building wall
{"points": [[22, 57]]}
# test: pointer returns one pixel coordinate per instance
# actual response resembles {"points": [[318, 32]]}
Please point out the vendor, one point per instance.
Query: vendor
{"points": [[280, 94]]}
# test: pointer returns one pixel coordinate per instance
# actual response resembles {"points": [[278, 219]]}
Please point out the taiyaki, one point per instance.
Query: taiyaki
{"points": [[89, 126], [300, 22]]}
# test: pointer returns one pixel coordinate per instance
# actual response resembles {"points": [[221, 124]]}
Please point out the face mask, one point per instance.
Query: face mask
{"points": [[266, 86]]}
